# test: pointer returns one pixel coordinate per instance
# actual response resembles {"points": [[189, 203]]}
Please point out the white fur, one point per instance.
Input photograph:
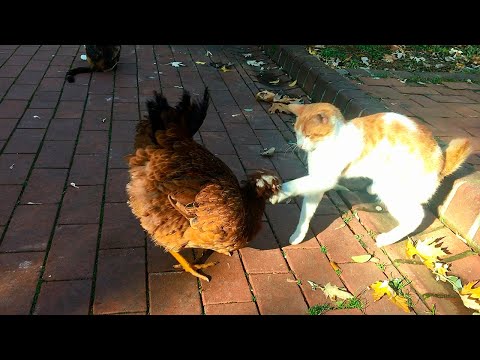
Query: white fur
{"points": [[399, 177]]}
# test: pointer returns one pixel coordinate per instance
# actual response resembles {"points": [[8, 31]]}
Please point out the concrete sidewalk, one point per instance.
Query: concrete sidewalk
{"points": [[78, 250]]}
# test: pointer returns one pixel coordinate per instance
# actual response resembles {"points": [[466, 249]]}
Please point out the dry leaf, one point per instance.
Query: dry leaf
{"points": [[248, 110], [176, 63], [314, 285], [333, 292], [224, 69], [374, 260], [365, 60], [334, 265], [381, 288], [12, 166], [247, 55], [103, 120], [362, 258], [36, 117], [200, 62], [471, 296], [33, 203], [429, 251], [280, 108], [293, 83], [265, 95], [178, 86], [274, 82], [388, 58], [73, 185], [208, 53], [268, 152]]}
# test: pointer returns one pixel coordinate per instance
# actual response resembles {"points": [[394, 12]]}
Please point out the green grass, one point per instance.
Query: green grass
{"points": [[323, 249], [352, 303], [398, 284], [338, 272], [320, 309], [381, 266]]}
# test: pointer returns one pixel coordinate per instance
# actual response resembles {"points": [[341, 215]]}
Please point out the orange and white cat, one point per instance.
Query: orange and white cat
{"points": [[400, 156]]}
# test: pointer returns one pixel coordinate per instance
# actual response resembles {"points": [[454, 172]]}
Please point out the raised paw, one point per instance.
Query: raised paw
{"points": [[278, 197]]}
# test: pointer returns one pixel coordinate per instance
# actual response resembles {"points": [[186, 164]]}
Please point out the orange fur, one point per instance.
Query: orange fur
{"points": [[316, 120], [456, 153]]}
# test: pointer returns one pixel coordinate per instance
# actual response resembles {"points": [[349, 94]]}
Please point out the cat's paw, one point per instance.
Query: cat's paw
{"points": [[278, 197], [385, 239], [297, 238]]}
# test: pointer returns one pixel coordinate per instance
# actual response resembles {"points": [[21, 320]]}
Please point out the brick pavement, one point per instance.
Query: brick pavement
{"points": [[80, 251]]}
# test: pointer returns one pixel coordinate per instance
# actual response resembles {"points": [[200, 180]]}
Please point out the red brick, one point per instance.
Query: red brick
{"points": [[275, 295], [116, 183], [123, 80], [381, 81], [127, 95], [130, 234], [126, 111], [449, 306], [232, 115], [416, 90], [99, 102], [55, 154], [423, 280], [461, 85], [463, 110], [212, 123], [37, 65], [269, 138], [26, 50], [260, 121], [36, 118], [20, 236], [120, 285], [340, 241], [45, 100], [123, 130], [118, 151], [64, 298], [63, 129], [10, 71], [313, 265], [30, 77], [6, 127], [69, 50], [453, 244], [88, 169], [356, 283], [174, 294], [161, 261], [72, 92], [427, 113], [218, 142], [51, 84], [92, 142], [10, 194], [384, 306], [18, 281], [12, 109], [289, 166], [467, 268], [241, 134], [383, 92], [20, 92], [21, 166], [18, 60], [72, 253], [45, 186], [262, 255], [96, 120], [25, 141], [227, 283], [101, 83], [451, 99], [59, 59], [283, 219], [252, 163], [69, 109], [247, 308], [81, 206]]}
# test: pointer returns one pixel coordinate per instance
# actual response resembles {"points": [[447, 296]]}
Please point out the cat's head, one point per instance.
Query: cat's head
{"points": [[314, 123]]}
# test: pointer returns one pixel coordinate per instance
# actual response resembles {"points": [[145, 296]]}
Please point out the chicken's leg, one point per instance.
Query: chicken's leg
{"points": [[191, 268]]}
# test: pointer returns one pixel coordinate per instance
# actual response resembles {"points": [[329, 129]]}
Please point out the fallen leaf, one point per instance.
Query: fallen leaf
{"points": [[235, 115], [333, 292], [224, 68], [178, 86], [33, 203], [255, 63], [36, 117], [293, 83], [280, 108], [362, 258], [429, 250], [401, 302], [247, 55], [103, 120], [314, 285], [334, 265], [274, 82], [365, 60], [12, 166], [268, 152], [381, 288], [248, 110], [83, 57], [374, 260], [388, 58], [208, 53], [471, 296], [200, 62], [265, 95], [468, 81], [176, 63], [72, 184]]}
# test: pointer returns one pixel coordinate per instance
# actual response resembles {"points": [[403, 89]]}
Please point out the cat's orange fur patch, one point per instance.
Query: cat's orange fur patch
{"points": [[316, 120], [419, 140]]}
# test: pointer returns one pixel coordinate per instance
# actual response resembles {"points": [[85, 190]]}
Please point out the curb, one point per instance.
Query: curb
{"points": [[456, 202]]}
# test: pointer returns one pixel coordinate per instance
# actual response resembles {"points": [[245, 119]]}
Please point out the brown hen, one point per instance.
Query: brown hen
{"points": [[183, 195]]}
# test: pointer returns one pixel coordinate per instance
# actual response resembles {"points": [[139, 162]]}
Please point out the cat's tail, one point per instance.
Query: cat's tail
{"points": [[70, 76], [456, 153]]}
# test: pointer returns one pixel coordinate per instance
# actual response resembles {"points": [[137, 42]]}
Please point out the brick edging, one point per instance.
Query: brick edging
{"points": [[457, 202]]}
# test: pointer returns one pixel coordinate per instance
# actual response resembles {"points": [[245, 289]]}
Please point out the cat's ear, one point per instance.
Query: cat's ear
{"points": [[322, 118], [297, 109]]}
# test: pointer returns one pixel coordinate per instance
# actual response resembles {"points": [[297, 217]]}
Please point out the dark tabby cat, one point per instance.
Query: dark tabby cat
{"points": [[100, 58]]}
